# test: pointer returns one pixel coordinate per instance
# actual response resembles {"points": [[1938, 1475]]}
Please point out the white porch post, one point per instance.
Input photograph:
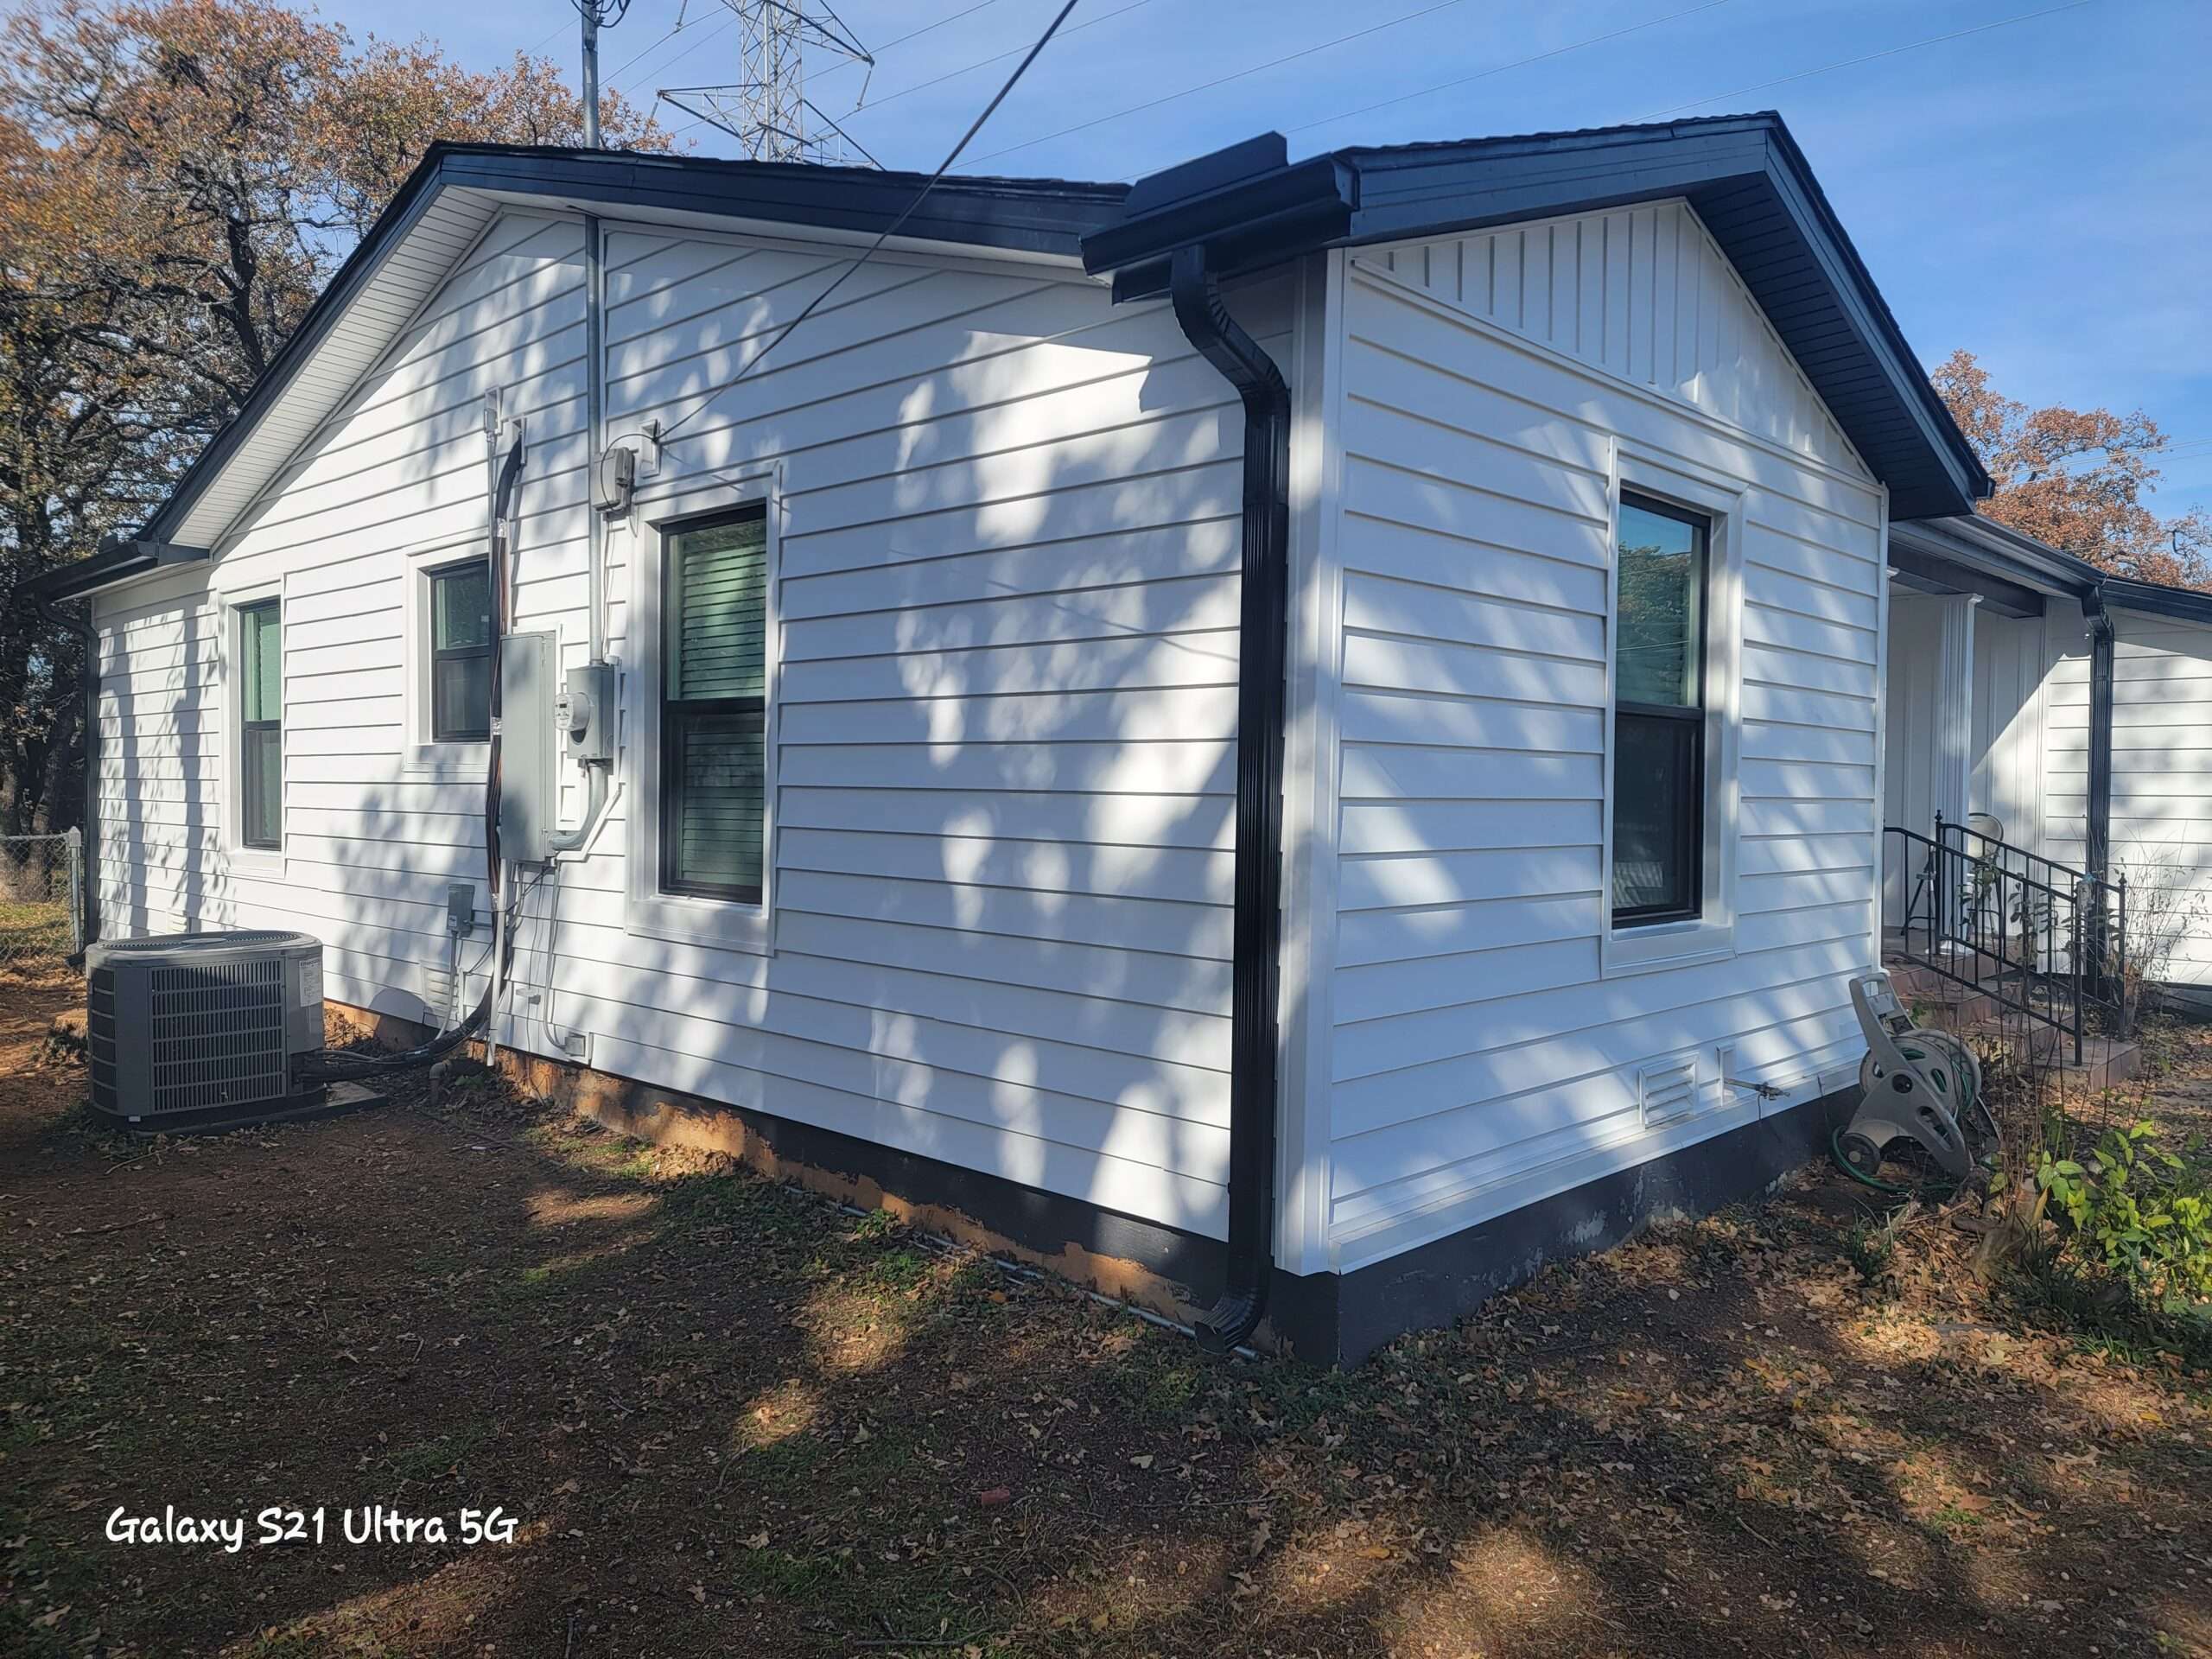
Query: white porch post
{"points": [[1952, 758]]}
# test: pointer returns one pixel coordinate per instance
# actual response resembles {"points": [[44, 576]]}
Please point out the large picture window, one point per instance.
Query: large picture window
{"points": [[261, 726], [713, 705], [1659, 713], [461, 652]]}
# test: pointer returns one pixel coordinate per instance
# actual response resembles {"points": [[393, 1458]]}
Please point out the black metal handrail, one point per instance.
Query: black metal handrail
{"points": [[2039, 938]]}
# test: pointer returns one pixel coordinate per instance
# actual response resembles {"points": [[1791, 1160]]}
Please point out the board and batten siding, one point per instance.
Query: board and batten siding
{"points": [[1481, 1056], [2161, 780], [2006, 747], [1009, 521]]}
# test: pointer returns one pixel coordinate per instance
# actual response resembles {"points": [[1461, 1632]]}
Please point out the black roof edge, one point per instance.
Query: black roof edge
{"points": [[1036, 216], [1969, 538], [1252, 206], [1979, 484], [1248, 202], [1998, 550], [2182, 604], [119, 559], [398, 216]]}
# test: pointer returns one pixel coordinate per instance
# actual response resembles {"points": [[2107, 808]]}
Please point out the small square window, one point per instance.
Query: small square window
{"points": [[461, 653]]}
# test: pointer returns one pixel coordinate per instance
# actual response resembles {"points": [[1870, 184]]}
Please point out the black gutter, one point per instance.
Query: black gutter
{"points": [[2182, 604], [1262, 625], [119, 559]]}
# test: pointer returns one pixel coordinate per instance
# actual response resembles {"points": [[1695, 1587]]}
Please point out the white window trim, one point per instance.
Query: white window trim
{"points": [[242, 859], [1711, 935], [686, 918], [423, 757]]}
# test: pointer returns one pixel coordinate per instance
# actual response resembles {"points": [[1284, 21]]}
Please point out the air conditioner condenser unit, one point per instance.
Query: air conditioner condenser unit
{"points": [[200, 1031]]}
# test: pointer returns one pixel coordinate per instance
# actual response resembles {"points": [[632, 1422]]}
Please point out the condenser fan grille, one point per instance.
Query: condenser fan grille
{"points": [[198, 1029], [218, 1033]]}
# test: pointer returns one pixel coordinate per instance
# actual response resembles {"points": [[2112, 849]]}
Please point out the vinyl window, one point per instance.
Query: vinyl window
{"points": [[714, 701], [1659, 713], [461, 652], [261, 726]]}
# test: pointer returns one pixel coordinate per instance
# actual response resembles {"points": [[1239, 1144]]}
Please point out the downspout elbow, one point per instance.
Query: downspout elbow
{"points": [[1262, 625]]}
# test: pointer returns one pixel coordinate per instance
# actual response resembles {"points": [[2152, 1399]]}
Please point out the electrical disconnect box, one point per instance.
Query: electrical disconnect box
{"points": [[584, 714], [529, 793]]}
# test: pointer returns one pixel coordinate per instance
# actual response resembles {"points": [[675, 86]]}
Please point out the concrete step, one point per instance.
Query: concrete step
{"points": [[1935, 1001], [2106, 1062]]}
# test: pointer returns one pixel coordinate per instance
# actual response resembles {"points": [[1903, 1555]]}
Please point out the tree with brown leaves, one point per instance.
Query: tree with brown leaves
{"points": [[178, 180], [2076, 479]]}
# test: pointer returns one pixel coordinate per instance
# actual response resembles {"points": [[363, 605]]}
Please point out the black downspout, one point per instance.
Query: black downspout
{"points": [[1263, 623], [83, 628], [2100, 836]]}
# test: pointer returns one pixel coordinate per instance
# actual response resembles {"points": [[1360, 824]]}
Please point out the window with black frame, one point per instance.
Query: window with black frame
{"points": [[261, 726], [1659, 716], [461, 652], [712, 798]]}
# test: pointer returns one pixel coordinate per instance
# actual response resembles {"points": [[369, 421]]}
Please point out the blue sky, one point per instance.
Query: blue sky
{"points": [[2040, 192]]}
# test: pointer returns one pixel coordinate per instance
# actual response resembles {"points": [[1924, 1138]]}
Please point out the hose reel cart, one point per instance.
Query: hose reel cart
{"points": [[1915, 1084]]}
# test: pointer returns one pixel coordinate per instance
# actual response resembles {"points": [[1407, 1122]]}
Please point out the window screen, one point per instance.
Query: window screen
{"points": [[713, 707], [1659, 713], [461, 653], [261, 730]]}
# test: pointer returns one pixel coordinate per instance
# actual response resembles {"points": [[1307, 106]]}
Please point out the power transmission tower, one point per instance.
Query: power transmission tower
{"points": [[767, 109]]}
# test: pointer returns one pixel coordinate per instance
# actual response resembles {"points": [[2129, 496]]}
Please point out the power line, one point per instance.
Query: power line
{"points": [[996, 57], [1870, 57], [729, 22], [888, 231], [901, 40], [912, 34], [1499, 69], [1223, 80], [682, 23]]}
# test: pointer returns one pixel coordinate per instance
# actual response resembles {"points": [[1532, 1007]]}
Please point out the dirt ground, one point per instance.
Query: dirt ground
{"points": [[727, 1417]]}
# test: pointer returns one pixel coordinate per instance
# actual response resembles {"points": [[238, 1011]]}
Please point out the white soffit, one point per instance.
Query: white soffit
{"points": [[388, 297]]}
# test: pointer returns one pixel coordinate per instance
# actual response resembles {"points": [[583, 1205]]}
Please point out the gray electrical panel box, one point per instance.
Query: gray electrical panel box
{"points": [[584, 714], [529, 797]]}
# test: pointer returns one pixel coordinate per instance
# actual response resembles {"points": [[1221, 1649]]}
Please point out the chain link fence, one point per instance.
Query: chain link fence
{"points": [[41, 913]]}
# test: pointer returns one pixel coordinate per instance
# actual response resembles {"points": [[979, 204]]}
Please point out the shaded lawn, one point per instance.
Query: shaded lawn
{"points": [[729, 1417]]}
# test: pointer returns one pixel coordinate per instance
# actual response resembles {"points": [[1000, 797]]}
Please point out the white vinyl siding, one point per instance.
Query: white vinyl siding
{"points": [[2161, 774], [1004, 768], [1482, 1057]]}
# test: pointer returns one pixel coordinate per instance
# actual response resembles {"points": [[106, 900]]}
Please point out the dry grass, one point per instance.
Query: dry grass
{"points": [[730, 1418]]}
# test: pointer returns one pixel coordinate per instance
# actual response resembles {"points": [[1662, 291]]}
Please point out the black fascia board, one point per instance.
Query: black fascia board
{"points": [[1753, 191], [117, 561], [1744, 174], [1038, 216], [391, 225]]}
